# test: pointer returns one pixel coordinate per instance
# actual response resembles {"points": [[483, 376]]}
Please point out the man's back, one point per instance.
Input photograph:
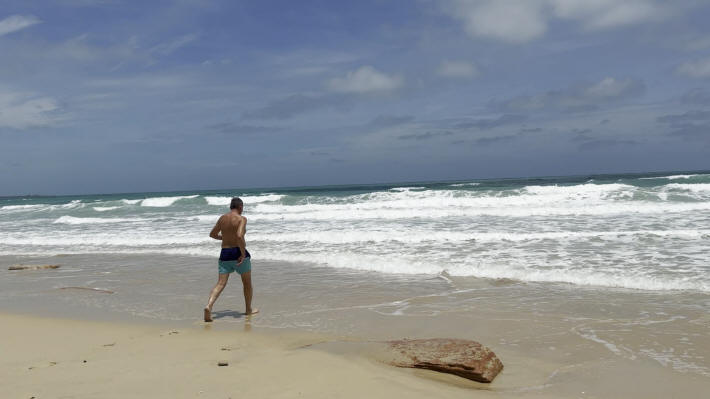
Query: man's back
{"points": [[230, 225]]}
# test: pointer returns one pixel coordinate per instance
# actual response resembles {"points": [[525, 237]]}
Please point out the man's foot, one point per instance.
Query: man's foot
{"points": [[252, 311], [208, 315]]}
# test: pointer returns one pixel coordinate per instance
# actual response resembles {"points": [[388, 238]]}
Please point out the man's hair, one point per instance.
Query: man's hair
{"points": [[236, 203]]}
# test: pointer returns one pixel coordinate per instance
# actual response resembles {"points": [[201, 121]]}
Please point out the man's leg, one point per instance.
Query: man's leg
{"points": [[248, 291], [221, 283]]}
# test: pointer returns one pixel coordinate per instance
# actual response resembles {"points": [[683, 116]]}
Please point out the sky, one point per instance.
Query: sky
{"points": [[101, 96]]}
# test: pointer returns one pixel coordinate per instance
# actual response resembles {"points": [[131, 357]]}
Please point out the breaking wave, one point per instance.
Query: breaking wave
{"points": [[620, 232], [160, 202]]}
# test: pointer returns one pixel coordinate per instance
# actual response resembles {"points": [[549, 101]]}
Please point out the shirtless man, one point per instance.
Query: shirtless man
{"points": [[230, 229]]}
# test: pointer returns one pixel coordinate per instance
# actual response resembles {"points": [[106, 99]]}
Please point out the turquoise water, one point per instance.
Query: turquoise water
{"points": [[640, 231]]}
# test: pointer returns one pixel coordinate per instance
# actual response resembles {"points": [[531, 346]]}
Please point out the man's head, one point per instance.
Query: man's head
{"points": [[237, 204]]}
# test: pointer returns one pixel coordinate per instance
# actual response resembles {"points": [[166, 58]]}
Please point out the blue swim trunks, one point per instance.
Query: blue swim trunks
{"points": [[228, 261]]}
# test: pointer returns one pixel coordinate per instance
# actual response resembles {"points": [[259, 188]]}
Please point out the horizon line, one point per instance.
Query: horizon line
{"points": [[286, 188]]}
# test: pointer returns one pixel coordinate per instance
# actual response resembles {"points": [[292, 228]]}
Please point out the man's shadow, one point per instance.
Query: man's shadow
{"points": [[220, 314]]}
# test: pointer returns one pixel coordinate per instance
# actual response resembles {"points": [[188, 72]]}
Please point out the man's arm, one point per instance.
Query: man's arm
{"points": [[241, 230], [216, 229]]}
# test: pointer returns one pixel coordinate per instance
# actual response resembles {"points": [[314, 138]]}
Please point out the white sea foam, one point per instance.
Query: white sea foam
{"points": [[351, 237], [20, 207], [137, 238], [682, 176], [349, 260], [79, 249], [206, 218], [221, 201], [405, 189], [70, 205], [611, 235], [579, 191], [465, 184], [78, 220], [591, 335], [405, 265], [586, 199], [218, 200], [101, 242], [161, 202], [621, 278], [466, 209], [631, 279], [249, 199], [701, 188], [677, 361], [673, 177], [43, 207], [252, 199], [105, 208]]}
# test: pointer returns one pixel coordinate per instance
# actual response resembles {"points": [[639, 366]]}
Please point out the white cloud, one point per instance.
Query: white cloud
{"points": [[23, 110], [13, 23], [696, 69], [521, 21], [457, 69], [610, 88], [365, 79], [513, 21]]}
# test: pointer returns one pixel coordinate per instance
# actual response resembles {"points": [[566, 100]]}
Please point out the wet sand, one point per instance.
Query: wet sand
{"points": [[555, 340]]}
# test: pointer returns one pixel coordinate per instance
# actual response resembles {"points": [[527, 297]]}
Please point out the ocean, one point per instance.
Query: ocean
{"points": [[634, 231]]}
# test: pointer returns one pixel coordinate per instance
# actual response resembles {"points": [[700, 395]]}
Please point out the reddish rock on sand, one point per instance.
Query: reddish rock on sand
{"points": [[467, 359]]}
